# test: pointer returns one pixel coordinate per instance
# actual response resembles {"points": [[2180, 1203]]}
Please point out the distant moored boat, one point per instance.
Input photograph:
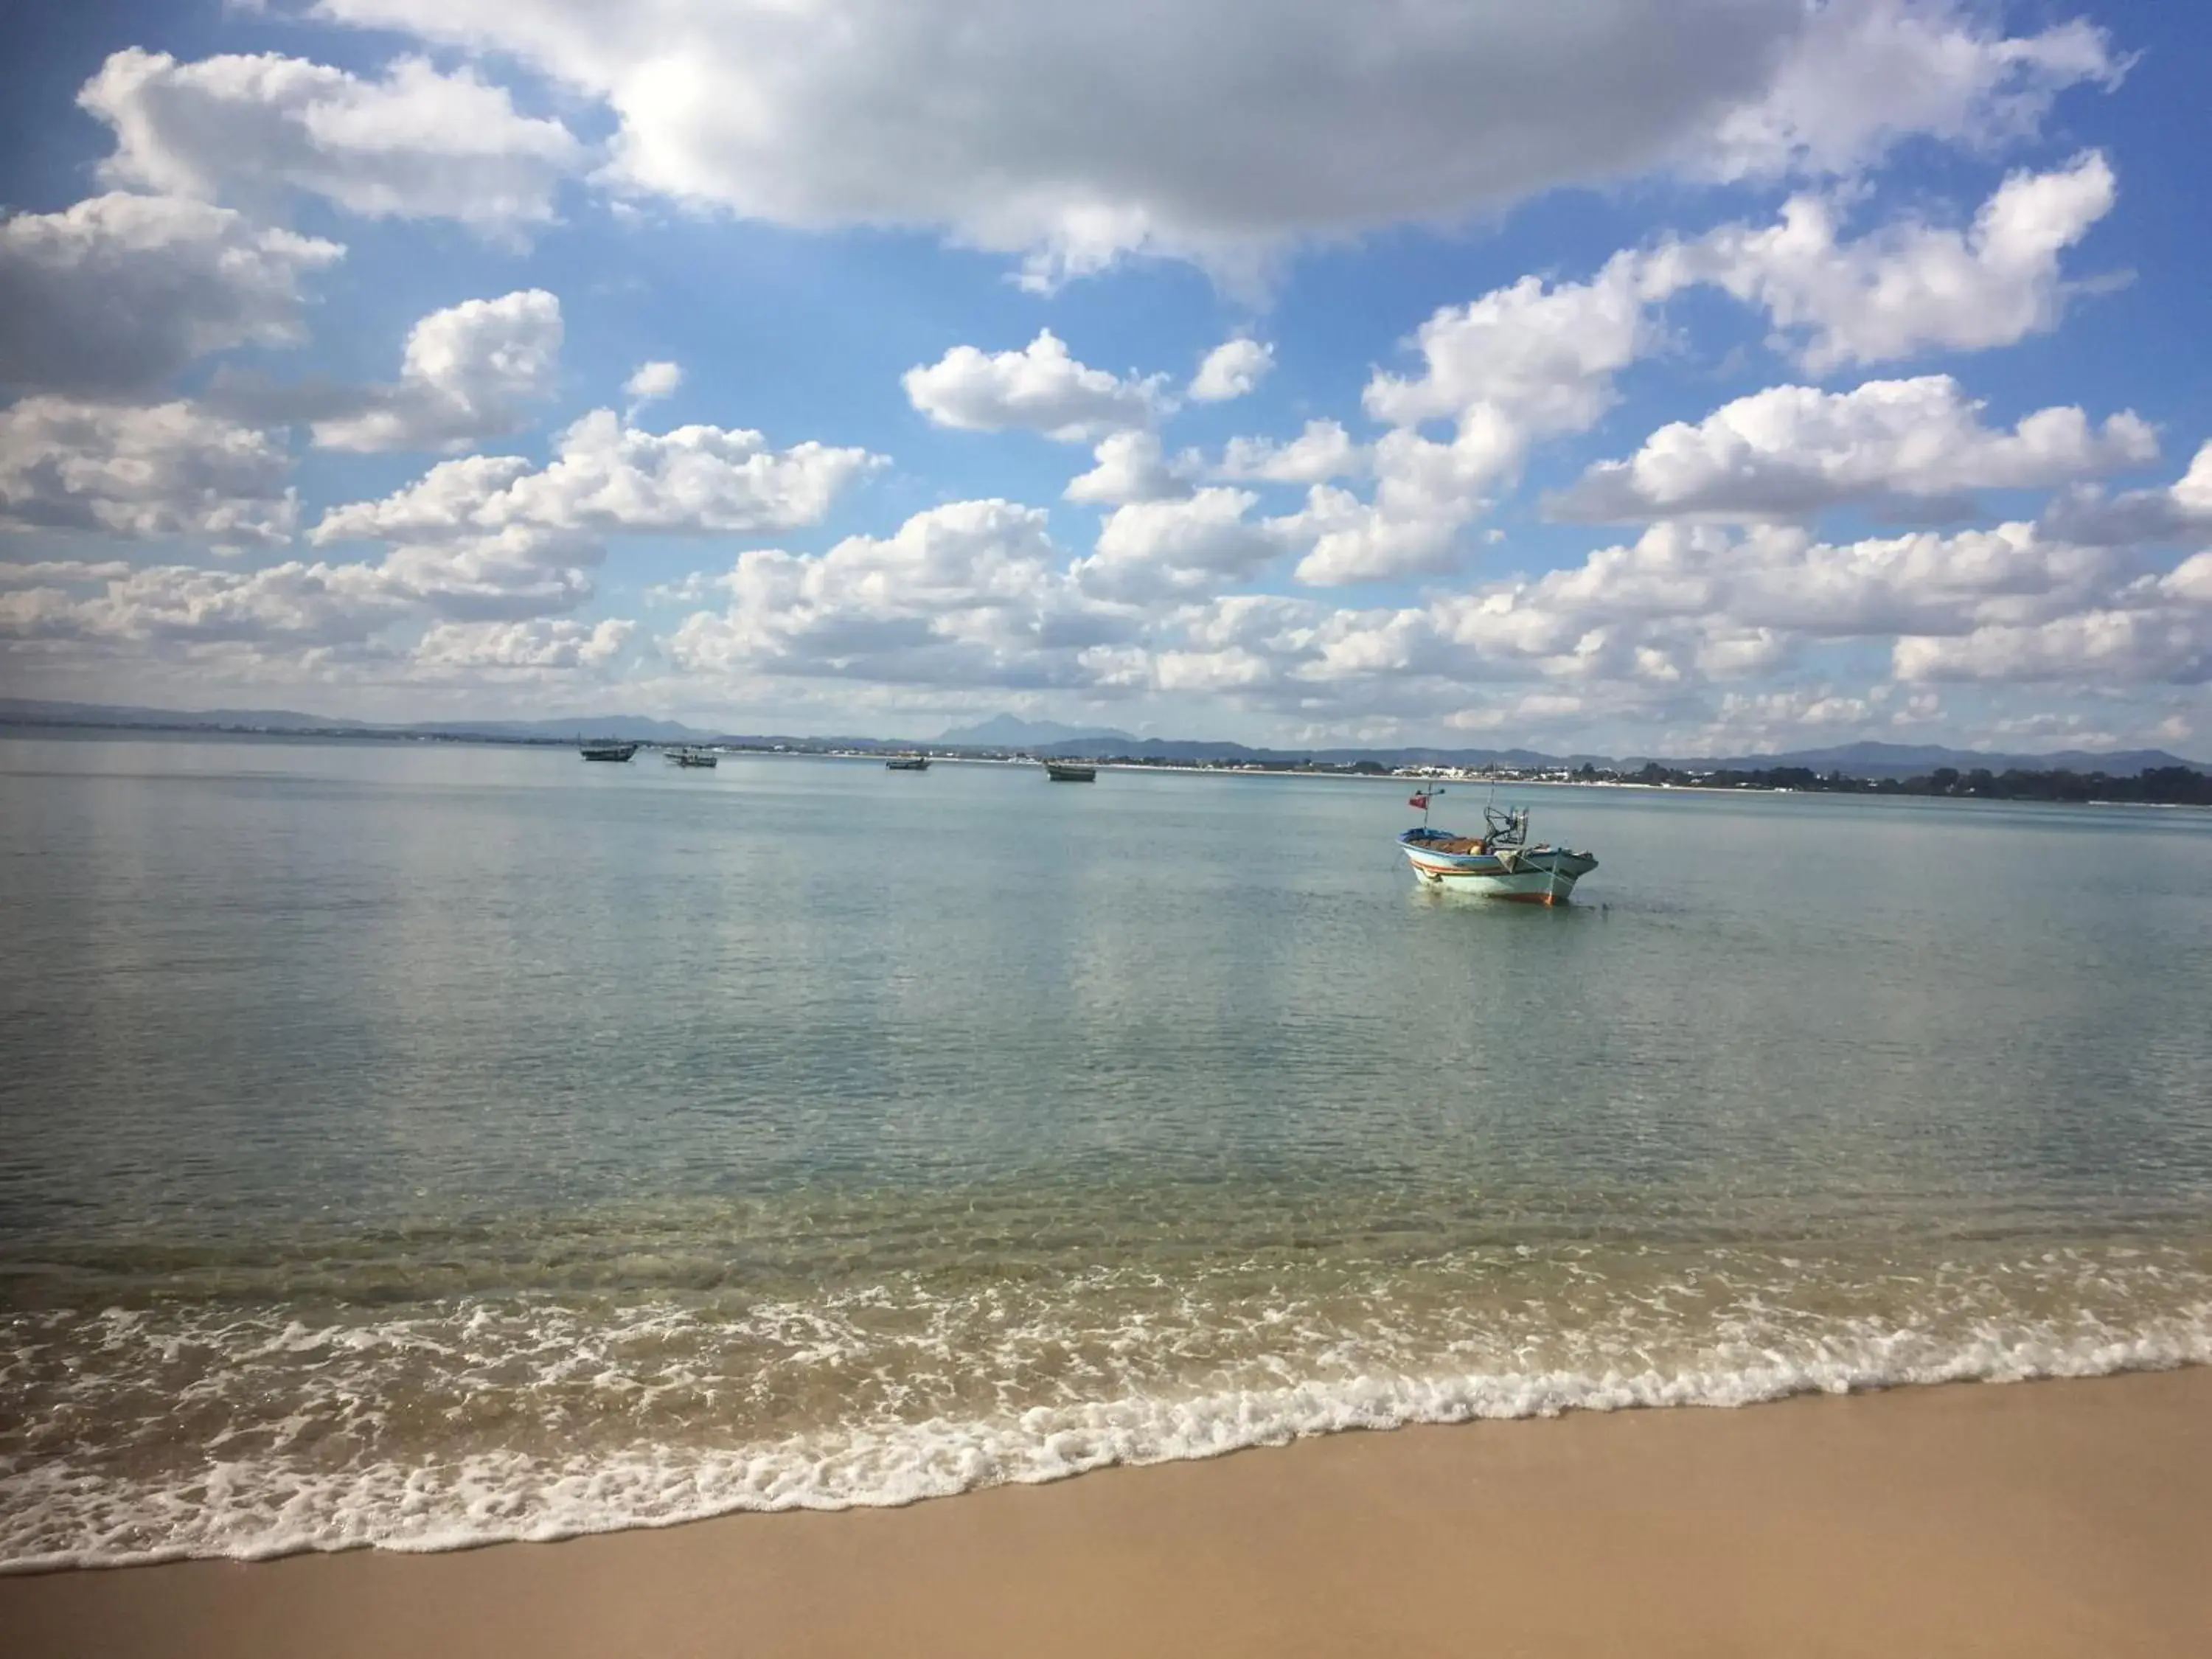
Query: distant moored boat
{"points": [[907, 763], [607, 751], [1070, 772], [693, 757]]}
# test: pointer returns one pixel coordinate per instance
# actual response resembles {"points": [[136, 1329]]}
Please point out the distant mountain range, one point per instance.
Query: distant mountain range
{"points": [[29, 711], [1009, 734]]}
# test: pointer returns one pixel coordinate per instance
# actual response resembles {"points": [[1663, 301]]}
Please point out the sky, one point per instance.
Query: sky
{"points": [[1603, 376]]}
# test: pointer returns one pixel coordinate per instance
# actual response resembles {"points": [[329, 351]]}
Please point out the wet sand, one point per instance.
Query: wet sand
{"points": [[2067, 1518]]}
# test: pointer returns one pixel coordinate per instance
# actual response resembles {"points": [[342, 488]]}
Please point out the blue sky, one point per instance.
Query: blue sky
{"points": [[1727, 374]]}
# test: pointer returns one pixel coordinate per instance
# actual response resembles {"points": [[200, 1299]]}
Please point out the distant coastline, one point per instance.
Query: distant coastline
{"points": [[2132, 776]]}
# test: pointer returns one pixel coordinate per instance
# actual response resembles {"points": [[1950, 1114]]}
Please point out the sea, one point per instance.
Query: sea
{"points": [[418, 1144]]}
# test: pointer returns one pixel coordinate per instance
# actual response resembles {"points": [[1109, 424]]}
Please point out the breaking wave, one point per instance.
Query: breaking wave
{"points": [[204, 1430]]}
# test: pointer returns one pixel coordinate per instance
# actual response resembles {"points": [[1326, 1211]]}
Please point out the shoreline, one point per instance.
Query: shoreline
{"points": [[404, 738], [2059, 1516]]}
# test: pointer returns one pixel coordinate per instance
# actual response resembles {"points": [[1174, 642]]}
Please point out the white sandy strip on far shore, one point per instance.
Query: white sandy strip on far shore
{"points": [[2065, 1518]]}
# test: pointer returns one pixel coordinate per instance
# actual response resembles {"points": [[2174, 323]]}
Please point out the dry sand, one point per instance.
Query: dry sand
{"points": [[2052, 1518]]}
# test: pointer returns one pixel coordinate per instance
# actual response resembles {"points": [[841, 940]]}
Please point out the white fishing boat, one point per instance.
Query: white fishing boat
{"points": [[1501, 863], [693, 757]]}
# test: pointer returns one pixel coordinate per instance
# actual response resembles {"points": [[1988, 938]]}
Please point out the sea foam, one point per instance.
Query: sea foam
{"points": [[57, 1512]]}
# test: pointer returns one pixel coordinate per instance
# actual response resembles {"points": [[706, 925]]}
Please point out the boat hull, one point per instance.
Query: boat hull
{"points": [[1533, 875]]}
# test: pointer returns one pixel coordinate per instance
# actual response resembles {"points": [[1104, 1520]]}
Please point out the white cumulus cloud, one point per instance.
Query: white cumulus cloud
{"points": [[1040, 388], [115, 294], [2099, 648], [415, 144], [1539, 355], [1859, 76], [971, 593], [165, 470], [466, 371], [2179, 511], [650, 382], [532, 646], [39, 572], [2155, 630], [294, 611], [1230, 370], [1529, 360], [1912, 287], [1791, 451], [1695, 626], [1221, 131], [1323, 451], [1132, 466], [606, 477], [294, 604], [1149, 549], [1536, 360]]}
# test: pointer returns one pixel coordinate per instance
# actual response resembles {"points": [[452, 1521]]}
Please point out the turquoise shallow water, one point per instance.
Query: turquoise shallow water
{"points": [[418, 1144]]}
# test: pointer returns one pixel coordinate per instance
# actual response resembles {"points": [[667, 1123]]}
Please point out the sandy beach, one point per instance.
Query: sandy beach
{"points": [[2060, 1518]]}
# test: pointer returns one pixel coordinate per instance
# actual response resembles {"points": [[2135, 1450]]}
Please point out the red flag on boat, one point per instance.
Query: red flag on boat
{"points": [[1419, 800]]}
